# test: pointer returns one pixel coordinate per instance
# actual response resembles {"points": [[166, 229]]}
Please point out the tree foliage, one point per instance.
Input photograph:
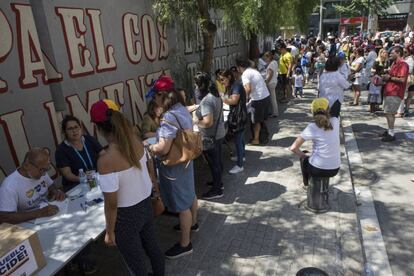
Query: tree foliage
{"points": [[365, 7], [251, 17]]}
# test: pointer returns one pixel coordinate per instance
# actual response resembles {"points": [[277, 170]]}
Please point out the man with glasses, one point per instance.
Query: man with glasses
{"points": [[22, 191]]}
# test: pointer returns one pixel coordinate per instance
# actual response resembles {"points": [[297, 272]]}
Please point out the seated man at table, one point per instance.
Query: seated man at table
{"points": [[22, 191]]}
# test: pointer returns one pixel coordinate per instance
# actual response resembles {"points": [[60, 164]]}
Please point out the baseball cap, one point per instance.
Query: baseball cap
{"points": [[341, 55], [163, 83], [319, 104], [99, 110]]}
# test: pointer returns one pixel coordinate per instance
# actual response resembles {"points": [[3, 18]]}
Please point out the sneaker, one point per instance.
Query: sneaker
{"points": [[210, 184], [236, 169], [234, 159], [384, 134], [212, 194], [194, 228], [388, 138], [178, 251]]}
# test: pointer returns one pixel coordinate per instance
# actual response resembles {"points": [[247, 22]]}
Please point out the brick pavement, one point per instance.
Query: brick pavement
{"points": [[260, 226]]}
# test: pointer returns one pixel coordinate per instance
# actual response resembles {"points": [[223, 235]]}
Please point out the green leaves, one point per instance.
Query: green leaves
{"points": [[365, 7]]}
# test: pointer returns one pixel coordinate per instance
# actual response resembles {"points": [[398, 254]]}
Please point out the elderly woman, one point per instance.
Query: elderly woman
{"points": [[325, 158], [77, 151], [177, 181]]}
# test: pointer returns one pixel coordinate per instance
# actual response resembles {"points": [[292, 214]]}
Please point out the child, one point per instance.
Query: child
{"points": [[298, 82], [374, 94]]}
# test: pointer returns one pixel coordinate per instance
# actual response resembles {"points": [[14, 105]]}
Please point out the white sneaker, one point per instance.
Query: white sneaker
{"points": [[236, 169], [234, 159]]}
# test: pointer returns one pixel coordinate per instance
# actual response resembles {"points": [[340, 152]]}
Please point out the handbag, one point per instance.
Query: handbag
{"points": [[237, 117], [210, 141], [186, 146], [157, 204], [156, 200]]}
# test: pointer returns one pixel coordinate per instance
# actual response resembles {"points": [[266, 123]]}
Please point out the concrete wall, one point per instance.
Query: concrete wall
{"points": [[59, 57]]}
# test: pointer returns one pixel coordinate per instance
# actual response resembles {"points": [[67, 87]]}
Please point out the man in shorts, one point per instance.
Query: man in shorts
{"points": [[394, 89], [257, 92]]}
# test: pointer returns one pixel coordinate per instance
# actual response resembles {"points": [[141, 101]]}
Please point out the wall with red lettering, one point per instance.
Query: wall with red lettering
{"points": [[59, 57]]}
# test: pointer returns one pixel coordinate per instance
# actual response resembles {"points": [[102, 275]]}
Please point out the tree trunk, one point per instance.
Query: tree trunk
{"points": [[208, 30], [254, 52]]}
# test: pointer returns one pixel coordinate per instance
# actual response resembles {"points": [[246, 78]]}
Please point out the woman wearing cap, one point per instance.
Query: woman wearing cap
{"points": [[177, 181], [324, 134], [126, 184], [77, 151]]}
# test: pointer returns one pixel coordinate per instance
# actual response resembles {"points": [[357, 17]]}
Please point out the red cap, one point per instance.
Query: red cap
{"points": [[163, 83], [99, 110]]}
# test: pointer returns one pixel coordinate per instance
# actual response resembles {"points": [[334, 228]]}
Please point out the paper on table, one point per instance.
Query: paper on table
{"points": [[63, 208]]}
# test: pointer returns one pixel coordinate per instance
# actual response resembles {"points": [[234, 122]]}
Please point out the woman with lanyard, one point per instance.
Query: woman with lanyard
{"points": [[76, 152]]}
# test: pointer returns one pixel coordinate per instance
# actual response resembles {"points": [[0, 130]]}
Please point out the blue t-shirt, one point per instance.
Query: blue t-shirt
{"points": [[182, 118], [66, 156], [237, 88]]}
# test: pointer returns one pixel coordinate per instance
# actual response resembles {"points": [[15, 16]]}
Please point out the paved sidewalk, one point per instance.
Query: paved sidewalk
{"points": [[386, 170], [260, 226]]}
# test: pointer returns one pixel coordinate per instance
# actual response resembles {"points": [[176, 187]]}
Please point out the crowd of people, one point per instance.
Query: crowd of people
{"points": [[131, 168]]}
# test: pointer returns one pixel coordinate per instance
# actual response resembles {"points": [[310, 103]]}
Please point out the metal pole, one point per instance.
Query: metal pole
{"points": [[320, 18]]}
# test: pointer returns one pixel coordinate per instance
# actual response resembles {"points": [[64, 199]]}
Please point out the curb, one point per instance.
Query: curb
{"points": [[373, 246]]}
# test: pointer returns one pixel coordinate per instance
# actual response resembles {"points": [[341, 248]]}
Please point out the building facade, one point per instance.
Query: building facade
{"points": [[398, 17]]}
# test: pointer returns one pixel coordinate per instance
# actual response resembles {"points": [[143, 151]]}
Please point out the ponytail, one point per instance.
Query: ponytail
{"points": [[122, 132], [322, 120]]}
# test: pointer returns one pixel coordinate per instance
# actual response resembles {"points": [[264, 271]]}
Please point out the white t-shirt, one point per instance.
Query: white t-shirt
{"points": [[410, 61], [344, 70], [19, 193], [298, 80], [274, 66], [293, 50], [258, 86], [332, 86], [133, 185], [326, 152]]}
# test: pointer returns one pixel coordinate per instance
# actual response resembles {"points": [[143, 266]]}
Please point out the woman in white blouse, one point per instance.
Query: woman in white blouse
{"points": [[126, 184], [332, 85]]}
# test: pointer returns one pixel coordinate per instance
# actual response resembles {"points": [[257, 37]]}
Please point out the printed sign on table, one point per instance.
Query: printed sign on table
{"points": [[19, 261]]}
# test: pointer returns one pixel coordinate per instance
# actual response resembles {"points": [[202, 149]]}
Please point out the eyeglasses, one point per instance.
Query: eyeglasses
{"points": [[158, 94], [41, 170], [74, 128], [223, 79]]}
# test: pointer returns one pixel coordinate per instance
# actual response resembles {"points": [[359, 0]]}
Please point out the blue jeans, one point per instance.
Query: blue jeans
{"points": [[240, 145], [215, 163]]}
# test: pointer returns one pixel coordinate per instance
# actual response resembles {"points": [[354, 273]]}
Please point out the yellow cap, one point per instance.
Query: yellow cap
{"points": [[111, 104], [319, 104]]}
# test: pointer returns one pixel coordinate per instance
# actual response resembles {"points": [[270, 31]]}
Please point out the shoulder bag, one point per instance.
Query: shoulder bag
{"points": [[237, 117], [186, 146], [209, 141]]}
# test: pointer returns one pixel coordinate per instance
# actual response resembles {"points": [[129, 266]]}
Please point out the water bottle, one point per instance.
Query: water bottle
{"points": [[82, 177], [368, 270]]}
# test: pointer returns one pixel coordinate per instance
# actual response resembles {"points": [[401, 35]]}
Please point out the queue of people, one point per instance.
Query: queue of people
{"points": [[131, 166]]}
